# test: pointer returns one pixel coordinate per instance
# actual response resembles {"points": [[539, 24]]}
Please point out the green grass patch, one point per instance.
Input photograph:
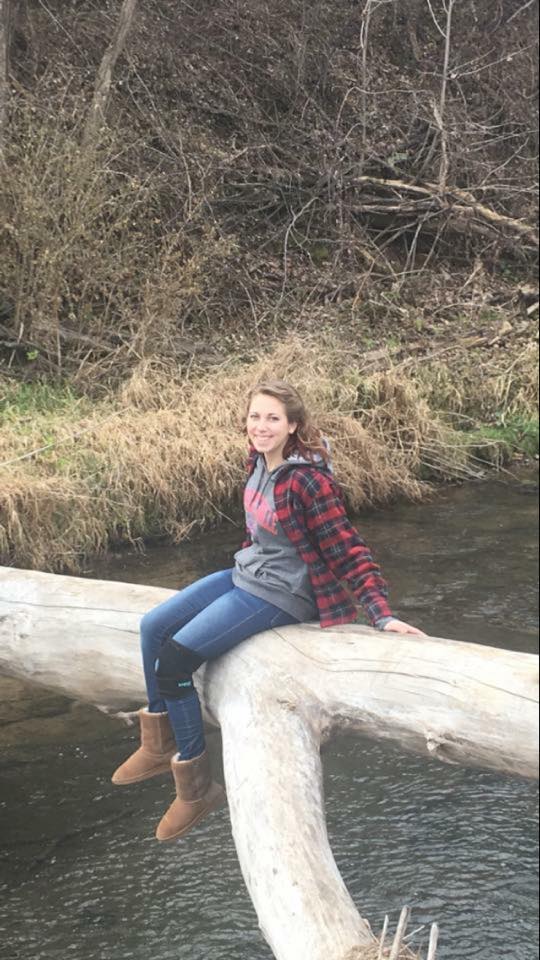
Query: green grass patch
{"points": [[22, 401], [499, 442]]}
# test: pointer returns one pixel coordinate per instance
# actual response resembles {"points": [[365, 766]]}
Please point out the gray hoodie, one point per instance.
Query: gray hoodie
{"points": [[271, 567]]}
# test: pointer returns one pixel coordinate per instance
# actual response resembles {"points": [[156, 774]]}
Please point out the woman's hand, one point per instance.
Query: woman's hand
{"points": [[399, 626]]}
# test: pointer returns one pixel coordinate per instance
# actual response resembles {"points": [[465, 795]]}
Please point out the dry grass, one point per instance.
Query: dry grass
{"points": [[165, 455], [373, 953], [499, 383]]}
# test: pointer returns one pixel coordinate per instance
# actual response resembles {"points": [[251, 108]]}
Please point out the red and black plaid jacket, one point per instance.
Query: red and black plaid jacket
{"points": [[310, 509]]}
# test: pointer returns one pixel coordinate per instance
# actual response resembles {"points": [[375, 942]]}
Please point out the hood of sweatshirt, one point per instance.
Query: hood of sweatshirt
{"points": [[296, 459]]}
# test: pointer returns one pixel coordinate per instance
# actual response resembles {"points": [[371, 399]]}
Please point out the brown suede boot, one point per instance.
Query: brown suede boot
{"points": [[154, 754], [196, 796]]}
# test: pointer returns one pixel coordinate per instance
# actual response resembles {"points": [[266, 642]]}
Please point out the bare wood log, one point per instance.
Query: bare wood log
{"points": [[456, 702], [102, 86]]}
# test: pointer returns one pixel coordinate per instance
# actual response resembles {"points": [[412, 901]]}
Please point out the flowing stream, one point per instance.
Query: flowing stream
{"points": [[81, 876]]}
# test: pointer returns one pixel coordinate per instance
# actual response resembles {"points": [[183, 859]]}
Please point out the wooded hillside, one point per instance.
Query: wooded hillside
{"points": [[176, 173]]}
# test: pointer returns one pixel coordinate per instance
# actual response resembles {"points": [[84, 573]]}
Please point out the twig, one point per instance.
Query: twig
{"points": [[383, 937], [289, 230], [400, 933], [520, 11], [434, 18]]}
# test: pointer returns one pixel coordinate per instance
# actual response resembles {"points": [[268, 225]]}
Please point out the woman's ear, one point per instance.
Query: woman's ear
{"points": [[292, 428]]}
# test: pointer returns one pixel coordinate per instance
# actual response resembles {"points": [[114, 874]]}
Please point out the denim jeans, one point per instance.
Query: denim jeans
{"points": [[210, 617]]}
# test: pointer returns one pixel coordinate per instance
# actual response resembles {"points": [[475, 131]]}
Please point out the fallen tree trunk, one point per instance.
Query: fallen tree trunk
{"points": [[393, 203], [462, 203], [455, 702]]}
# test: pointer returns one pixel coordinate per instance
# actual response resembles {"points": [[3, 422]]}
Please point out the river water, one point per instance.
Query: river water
{"points": [[82, 878]]}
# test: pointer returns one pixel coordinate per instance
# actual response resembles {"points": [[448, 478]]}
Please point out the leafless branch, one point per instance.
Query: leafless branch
{"points": [[440, 114], [521, 10], [364, 42], [434, 18]]}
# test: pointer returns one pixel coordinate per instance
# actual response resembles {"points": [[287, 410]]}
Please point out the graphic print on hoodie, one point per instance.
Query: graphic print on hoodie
{"points": [[259, 512], [271, 568]]}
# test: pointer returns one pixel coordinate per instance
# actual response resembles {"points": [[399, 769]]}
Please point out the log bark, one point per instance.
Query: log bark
{"points": [[452, 701]]}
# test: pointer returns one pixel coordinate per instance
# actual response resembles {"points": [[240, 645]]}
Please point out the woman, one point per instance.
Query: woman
{"points": [[300, 545]]}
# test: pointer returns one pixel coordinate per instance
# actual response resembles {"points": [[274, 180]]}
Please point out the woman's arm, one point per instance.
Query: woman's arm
{"points": [[348, 556]]}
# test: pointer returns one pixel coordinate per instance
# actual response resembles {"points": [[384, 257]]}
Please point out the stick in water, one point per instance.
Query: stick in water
{"points": [[433, 941], [400, 933], [383, 937]]}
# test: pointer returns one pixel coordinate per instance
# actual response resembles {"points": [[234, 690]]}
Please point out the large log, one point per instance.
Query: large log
{"points": [[276, 698]]}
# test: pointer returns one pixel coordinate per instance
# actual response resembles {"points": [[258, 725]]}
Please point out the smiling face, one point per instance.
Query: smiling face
{"points": [[268, 428]]}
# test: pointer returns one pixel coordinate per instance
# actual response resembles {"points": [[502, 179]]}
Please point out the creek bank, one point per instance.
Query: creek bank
{"points": [[165, 455]]}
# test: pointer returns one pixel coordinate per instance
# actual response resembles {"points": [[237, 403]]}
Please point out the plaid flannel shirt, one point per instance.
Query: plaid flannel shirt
{"points": [[310, 509]]}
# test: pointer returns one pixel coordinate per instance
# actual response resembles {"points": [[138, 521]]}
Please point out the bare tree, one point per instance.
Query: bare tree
{"points": [[6, 22], [370, 9], [103, 82], [440, 114]]}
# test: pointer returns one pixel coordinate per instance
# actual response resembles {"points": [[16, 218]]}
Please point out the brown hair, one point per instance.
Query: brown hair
{"points": [[307, 438]]}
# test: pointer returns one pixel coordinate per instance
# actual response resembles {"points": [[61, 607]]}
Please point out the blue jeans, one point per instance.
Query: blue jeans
{"points": [[210, 617]]}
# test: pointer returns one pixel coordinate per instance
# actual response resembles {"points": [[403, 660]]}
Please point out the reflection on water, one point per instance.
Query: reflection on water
{"points": [[81, 876]]}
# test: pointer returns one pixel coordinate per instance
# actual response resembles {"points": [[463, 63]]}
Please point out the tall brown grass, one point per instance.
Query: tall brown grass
{"points": [[374, 953], [165, 455]]}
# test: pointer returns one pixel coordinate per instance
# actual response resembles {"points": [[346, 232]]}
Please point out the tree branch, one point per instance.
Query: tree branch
{"points": [[456, 203], [521, 10]]}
